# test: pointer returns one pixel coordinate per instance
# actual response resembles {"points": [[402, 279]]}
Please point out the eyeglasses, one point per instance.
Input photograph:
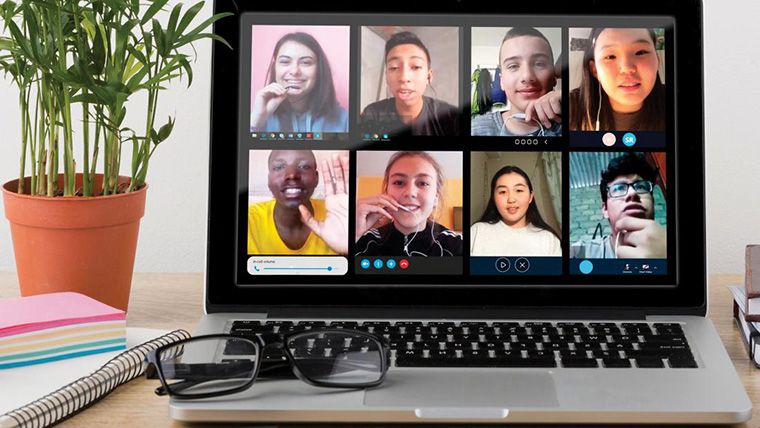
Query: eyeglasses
{"points": [[221, 364], [618, 190]]}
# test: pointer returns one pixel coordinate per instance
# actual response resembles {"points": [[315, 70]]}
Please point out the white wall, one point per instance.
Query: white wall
{"points": [[172, 237]]}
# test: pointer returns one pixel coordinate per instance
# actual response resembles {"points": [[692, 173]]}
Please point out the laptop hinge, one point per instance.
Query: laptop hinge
{"points": [[455, 313]]}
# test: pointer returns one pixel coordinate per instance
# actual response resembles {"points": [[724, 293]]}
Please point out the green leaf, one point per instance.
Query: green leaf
{"points": [[154, 136], [122, 115], [172, 24], [188, 69], [153, 10], [158, 33], [188, 17], [134, 82], [189, 39], [202, 27], [165, 131], [99, 52]]}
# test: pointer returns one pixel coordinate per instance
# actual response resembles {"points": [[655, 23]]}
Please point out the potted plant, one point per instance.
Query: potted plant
{"points": [[77, 65]]}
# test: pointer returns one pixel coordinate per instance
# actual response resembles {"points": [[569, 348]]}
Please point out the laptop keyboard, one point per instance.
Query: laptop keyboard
{"points": [[512, 344]]}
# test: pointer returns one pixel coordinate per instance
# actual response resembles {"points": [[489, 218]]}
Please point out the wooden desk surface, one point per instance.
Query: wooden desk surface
{"points": [[171, 301]]}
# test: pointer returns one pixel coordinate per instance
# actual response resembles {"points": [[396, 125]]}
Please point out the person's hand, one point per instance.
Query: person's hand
{"points": [[370, 209], [546, 109], [334, 229], [266, 102], [643, 239]]}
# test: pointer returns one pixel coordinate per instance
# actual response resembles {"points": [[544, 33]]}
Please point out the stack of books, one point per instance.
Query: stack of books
{"points": [[747, 303], [56, 326]]}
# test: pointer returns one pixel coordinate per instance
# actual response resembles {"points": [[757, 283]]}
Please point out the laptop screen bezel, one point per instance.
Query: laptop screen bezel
{"points": [[687, 297]]}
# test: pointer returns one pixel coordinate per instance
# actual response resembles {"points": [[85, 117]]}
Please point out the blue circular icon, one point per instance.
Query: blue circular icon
{"points": [[378, 264], [391, 264], [629, 139], [329, 268], [365, 264], [586, 267]]}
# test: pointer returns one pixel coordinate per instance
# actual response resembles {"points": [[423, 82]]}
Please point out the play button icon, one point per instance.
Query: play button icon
{"points": [[502, 265]]}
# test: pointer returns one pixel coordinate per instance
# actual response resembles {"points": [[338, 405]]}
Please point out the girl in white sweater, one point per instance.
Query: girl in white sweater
{"points": [[511, 224]]}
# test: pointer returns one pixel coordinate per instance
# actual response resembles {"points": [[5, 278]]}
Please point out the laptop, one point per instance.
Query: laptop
{"points": [[512, 194]]}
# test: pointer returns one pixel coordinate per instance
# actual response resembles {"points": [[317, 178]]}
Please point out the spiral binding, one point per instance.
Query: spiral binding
{"points": [[86, 391]]}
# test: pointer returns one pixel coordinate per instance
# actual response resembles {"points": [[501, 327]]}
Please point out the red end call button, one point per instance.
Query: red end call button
{"points": [[403, 264]]}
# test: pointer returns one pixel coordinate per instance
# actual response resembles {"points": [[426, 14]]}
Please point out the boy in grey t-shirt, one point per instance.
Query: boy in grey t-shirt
{"points": [[528, 78]]}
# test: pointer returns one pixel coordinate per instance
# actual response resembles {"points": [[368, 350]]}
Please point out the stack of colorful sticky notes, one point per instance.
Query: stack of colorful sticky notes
{"points": [[56, 326]]}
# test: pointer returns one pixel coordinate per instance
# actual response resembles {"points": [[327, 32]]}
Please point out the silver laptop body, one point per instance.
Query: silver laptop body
{"points": [[708, 394]]}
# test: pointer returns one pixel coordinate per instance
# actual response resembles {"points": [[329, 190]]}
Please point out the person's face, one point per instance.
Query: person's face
{"points": [[527, 70], [407, 73], [512, 197], [626, 64], [292, 176], [296, 67], [412, 181], [632, 204]]}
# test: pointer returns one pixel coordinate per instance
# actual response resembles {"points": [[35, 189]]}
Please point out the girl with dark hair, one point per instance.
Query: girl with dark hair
{"points": [[511, 224], [620, 87], [300, 94], [408, 73]]}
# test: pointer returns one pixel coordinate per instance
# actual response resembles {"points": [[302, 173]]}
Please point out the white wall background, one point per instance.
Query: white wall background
{"points": [[172, 236]]}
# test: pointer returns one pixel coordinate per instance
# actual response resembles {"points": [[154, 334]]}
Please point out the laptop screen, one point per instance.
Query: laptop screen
{"points": [[455, 149]]}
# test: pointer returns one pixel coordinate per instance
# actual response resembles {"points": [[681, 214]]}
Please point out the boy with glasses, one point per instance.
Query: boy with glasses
{"points": [[627, 187]]}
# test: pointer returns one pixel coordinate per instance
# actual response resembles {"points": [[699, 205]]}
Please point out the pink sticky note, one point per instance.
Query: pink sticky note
{"points": [[33, 313]]}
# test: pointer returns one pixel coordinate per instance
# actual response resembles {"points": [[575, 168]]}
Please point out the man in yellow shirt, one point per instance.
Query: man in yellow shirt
{"points": [[293, 223]]}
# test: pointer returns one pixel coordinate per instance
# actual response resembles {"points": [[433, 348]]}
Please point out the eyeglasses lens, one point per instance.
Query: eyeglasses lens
{"points": [[338, 358], [208, 365]]}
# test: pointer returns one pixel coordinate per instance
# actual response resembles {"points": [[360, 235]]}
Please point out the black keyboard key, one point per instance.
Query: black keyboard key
{"points": [[252, 329], [560, 338], [508, 354], [540, 354], [238, 347], [664, 348], [344, 324], [616, 363], [602, 325], [513, 330], [664, 338], [468, 338], [557, 346], [620, 346], [442, 353], [475, 324], [408, 323], [376, 323], [572, 354], [570, 324], [592, 338], [538, 324], [424, 345], [312, 324], [588, 346], [668, 328], [529, 338], [427, 337], [682, 362], [624, 338], [607, 330], [573, 331], [523, 345], [649, 363], [505, 324], [396, 337], [474, 353], [544, 331], [579, 362], [598, 353]]}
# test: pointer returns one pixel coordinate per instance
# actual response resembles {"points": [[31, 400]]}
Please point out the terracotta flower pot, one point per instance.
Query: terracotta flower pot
{"points": [[86, 245]]}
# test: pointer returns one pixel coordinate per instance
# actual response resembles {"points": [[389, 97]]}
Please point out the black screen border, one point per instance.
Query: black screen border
{"points": [[687, 296]]}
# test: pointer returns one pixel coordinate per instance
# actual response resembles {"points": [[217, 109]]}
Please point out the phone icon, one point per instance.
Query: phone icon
{"points": [[256, 268]]}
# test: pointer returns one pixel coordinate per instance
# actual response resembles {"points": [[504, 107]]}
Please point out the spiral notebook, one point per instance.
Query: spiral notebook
{"points": [[47, 408]]}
